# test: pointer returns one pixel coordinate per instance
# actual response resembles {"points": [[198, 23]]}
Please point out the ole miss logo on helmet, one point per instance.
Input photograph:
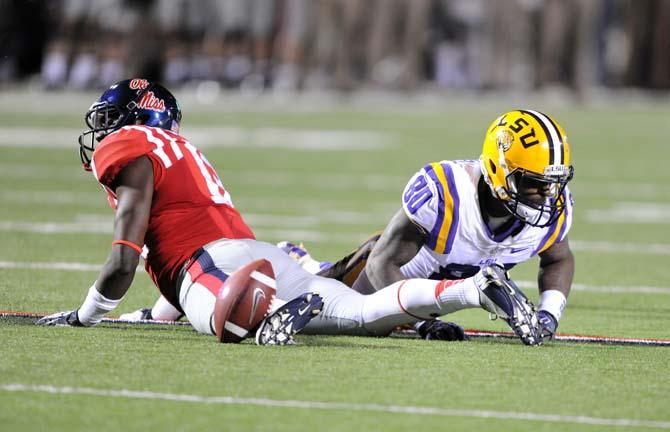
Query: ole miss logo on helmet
{"points": [[151, 102], [138, 84]]}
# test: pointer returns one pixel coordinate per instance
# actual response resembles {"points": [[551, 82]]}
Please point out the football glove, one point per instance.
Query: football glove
{"points": [[61, 319], [440, 330], [548, 325]]}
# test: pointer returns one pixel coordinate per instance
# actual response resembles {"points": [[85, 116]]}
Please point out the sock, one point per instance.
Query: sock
{"points": [[164, 311], [455, 295], [95, 307], [412, 300]]}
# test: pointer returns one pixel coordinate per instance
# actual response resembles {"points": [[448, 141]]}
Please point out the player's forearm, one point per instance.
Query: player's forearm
{"points": [[557, 274], [554, 280], [110, 287], [117, 274]]}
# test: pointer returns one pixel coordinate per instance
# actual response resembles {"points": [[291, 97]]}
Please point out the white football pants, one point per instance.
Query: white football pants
{"points": [[345, 311]]}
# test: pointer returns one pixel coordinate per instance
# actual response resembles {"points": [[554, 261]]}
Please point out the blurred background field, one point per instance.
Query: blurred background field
{"points": [[316, 114]]}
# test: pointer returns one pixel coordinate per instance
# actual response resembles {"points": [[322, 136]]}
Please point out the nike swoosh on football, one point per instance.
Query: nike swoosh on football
{"points": [[258, 293]]}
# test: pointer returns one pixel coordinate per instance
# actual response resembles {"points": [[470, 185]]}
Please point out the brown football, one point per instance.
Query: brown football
{"points": [[243, 301]]}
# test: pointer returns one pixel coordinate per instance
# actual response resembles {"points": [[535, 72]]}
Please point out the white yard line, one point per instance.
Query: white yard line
{"points": [[609, 289], [221, 136], [620, 247], [86, 267], [56, 227], [338, 406], [626, 212], [263, 223], [300, 180], [66, 266]]}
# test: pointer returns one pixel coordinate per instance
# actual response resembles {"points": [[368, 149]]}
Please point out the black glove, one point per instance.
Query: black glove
{"points": [[548, 325], [440, 330], [61, 319]]}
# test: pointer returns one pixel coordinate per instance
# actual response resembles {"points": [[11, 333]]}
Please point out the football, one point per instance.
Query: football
{"points": [[243, 301]]}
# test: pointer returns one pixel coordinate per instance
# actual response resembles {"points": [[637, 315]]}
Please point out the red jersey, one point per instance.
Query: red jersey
{"points": [[190, 206]]}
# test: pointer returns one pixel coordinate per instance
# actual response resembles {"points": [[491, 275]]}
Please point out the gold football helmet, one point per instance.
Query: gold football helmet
{"points": [[526, 163]]}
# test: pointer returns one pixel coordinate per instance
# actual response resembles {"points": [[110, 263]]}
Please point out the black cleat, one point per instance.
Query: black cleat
{"points": [[279, 327], [500, 296]]}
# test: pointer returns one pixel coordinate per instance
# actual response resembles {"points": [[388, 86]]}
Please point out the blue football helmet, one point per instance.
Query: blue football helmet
{"points": [[128, 102]]}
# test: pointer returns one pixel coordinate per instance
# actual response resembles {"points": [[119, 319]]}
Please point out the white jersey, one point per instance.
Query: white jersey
{"points": [[442, 198]]}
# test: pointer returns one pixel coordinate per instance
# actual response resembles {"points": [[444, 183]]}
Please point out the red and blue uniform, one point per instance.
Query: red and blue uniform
{"points": [[190, 205]]}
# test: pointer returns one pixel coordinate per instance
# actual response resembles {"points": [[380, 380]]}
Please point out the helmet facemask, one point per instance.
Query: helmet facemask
{"points": [[101, 119], [535, 199]]}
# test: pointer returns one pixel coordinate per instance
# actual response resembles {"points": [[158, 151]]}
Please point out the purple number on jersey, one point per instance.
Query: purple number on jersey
{"points": [[417, 194]]}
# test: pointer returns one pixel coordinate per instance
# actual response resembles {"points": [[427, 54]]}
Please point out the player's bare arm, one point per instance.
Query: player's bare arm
{"points": [[134, 192], [557, 268], [399, 243]]}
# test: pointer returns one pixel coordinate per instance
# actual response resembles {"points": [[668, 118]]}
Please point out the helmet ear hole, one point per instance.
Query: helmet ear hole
{"points": [[493, 166]]}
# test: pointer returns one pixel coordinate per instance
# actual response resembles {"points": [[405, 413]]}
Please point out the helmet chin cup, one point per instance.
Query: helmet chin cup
{"points": [[532, 216]]}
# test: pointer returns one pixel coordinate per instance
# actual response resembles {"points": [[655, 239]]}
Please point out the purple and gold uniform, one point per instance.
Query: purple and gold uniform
{"points": [[443, 199]]}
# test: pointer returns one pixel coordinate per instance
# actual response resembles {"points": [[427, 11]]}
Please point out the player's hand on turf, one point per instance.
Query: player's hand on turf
{"points": [[138, 315], [548, 325], [61, 319]]}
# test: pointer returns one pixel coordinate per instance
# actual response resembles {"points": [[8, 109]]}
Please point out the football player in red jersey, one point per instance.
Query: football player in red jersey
{"points": [[170, 201]]}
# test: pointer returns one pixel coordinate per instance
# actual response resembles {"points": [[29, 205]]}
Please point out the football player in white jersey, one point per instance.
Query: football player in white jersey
{"points": [[459, 216]]}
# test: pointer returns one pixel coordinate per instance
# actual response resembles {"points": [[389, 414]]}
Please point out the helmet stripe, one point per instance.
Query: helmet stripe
{"points": [[560, 139], [553, 136]]}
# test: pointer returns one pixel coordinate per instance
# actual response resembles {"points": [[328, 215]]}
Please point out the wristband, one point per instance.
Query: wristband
{"points": [[95, 307], [553, 301]]}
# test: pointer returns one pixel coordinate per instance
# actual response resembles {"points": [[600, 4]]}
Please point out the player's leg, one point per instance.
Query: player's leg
{"points": [[210, 269], [346, 311], [342, 306], [205, 275], [414, 300], [346, 270], [162, 310]]}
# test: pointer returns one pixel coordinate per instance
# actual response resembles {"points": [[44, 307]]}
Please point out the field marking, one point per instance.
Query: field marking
{"points": [[64, 266], [338, 406], [609, 289], [346, 181], [620, 247], [222, 137], [631, 213], [594, 188], [470, 333], [86, 267], [56, 227], [103, 225]]}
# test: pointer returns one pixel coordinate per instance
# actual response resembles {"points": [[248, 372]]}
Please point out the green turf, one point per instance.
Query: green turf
{"points": [[338, 198]]}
